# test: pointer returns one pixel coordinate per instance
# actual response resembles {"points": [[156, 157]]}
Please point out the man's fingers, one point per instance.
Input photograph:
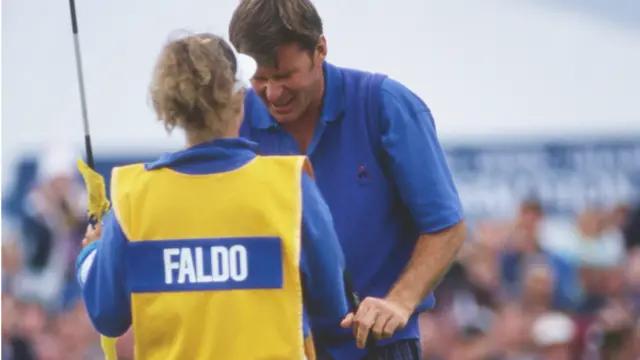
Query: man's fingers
{"points": [[347, 321], [375, 317], [363, 322], [391, 327], [380, 324]]}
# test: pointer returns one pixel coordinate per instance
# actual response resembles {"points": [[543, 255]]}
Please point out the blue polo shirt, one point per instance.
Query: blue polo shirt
{"points": [[101, 268], [381, 169]]}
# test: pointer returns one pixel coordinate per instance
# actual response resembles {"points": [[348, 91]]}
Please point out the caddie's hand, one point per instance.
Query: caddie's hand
{"points": [[381, 317], [92, 234]]}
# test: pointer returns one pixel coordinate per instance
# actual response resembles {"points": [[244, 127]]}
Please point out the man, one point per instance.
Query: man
{"points": [[378, 164], [524, 251]]}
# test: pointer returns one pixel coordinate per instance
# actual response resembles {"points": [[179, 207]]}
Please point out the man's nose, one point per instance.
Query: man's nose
{"points": [[273, 91]]}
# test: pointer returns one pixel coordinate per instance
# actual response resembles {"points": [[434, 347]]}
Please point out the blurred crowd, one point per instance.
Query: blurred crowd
{"points": [[535, 288], [42, 313], [528, 288]]}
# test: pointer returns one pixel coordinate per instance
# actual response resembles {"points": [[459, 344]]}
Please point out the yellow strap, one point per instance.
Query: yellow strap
{"points": [[109, 347]]}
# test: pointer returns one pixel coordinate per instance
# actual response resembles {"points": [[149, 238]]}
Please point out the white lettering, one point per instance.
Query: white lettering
{"points": [[202, 277], [186, 267], [169, 264], [220, 263], [189, 263], [238, 262]]}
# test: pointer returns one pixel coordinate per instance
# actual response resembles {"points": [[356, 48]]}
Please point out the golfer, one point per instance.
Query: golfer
{"points": [[378, 164]]}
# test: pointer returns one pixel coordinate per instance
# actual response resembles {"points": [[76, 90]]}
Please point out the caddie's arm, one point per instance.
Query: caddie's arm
{"points": [[322, 261], [100, 269], [419, 169]]}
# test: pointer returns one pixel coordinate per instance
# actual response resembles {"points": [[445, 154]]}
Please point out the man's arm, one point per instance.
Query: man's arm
{"points": [[419, 169], [322, 261], [100, 271]]}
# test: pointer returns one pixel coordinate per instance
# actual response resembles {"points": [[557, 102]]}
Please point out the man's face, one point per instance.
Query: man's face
{"points": [[529, 218], [289, 89]]}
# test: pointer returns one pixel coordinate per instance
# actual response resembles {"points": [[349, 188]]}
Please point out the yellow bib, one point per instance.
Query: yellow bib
{"points": [[212, 260]]}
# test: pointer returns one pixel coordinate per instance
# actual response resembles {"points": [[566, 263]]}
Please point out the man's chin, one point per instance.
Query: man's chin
{"points": [[283, 118]]}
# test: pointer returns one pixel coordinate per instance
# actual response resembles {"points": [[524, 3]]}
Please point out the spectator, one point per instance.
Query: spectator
{"points": [[523, 248], [598, 252], [598, 244], [53, 223], [475, 273]]}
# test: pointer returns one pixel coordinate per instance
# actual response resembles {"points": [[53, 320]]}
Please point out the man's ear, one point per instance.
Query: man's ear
{"points": [[321, 49]]}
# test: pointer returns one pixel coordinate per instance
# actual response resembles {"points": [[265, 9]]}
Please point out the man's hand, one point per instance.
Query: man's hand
{"points": [[92, 234], [381, 317]]}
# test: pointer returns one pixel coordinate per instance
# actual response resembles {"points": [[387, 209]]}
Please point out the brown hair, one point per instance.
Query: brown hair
{"points": [[532, 205], [193, 86], [259, 27]]}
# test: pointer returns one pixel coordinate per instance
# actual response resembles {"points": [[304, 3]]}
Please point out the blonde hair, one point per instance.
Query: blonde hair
{"points": [[193, 86]]}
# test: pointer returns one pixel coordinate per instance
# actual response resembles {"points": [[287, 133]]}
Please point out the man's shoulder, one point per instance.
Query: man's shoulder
{"points": [[395, 87], [354, 71], [358, 75], [387, 83], [394, 94], [388, 91]]}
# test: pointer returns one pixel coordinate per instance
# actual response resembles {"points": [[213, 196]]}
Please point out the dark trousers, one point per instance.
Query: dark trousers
{"points": [[398, 350]]}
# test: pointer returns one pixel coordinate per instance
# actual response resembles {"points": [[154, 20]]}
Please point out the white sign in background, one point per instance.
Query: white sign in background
{"points": [[565, 177]]}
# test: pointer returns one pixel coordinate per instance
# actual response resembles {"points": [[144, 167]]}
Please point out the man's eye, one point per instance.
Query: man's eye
{"points": [[282, 77]]}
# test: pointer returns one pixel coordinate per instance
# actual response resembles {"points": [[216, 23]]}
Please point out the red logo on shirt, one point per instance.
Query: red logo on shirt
{"points": [[363, 175]]}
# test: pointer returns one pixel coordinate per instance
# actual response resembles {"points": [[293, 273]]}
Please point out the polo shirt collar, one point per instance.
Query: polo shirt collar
{"points": [[219, 149]]}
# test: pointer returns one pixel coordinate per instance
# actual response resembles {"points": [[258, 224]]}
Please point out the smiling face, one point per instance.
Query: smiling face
{"points": [[294, 83]]}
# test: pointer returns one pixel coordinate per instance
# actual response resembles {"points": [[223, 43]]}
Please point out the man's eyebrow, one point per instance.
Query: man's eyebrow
{"points": [[275, 75], [284, 74]]}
